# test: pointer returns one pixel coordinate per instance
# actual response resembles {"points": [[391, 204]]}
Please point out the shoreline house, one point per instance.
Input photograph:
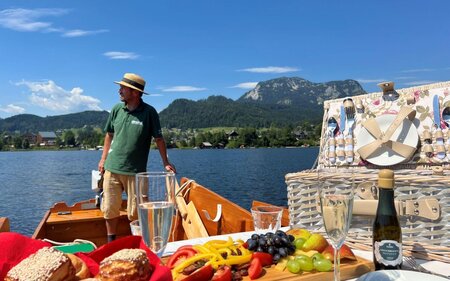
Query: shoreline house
{"points": [[205, 145], [46, 138], [31, 138], [232, 135]]}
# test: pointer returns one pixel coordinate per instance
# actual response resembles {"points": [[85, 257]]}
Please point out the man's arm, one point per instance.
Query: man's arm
{"points": [[106, 147], [161, 144]]}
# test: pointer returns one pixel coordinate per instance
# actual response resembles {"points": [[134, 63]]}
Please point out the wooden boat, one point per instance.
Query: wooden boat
{"points": [[201, 213], [4, 224]]}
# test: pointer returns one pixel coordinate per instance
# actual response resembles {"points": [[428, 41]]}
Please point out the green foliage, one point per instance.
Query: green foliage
{"points": [[17, 142], [69, 138], [278, 102], [26, 144], [31, 123]]}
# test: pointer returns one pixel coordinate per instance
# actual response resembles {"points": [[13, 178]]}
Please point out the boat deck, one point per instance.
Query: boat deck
{"points": [[80, 215], [83, 220]]}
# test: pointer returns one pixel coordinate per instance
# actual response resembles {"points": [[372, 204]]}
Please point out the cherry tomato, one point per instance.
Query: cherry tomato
{"points": [[222, 274], [204, 273], [255, 269], [265, 258], [179, 256]]}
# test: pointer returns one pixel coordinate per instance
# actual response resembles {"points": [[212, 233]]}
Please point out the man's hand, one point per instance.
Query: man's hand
{"points": [[101, 166], [170, 168]]}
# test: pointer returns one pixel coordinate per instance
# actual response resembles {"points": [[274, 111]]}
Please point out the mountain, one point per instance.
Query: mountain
{"points": [[33, 123], [298, 92], [282, 101]]}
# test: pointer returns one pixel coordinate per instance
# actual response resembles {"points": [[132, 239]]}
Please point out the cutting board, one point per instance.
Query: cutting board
{"points": [[349, 269]]}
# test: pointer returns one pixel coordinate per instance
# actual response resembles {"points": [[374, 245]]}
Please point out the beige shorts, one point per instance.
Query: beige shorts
{"points": [[113, 187]]}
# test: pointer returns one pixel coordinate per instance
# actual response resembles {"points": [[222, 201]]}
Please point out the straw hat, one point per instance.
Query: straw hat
{"points": [[132, 81]]}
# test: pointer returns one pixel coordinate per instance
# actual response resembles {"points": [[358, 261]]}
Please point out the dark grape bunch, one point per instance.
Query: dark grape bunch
{"points": [[278, 244]]}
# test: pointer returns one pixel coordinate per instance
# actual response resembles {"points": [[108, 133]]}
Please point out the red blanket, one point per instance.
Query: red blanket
{"points": [[15, 247]]}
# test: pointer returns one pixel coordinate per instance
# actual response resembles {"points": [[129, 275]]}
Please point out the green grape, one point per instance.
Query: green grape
{"points": [[306, 264], [299, 243], [301, 257], [293, 266], [317, 256], [323, 265]]}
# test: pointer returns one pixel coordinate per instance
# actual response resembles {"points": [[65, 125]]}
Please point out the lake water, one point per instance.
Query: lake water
{"points": [[31, 182]]}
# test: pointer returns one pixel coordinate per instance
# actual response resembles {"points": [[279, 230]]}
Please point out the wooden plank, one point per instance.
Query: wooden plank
{"points": [[348, 270], [78, 216], [40, 232], [4, 225], [234, 218], [192, 224]]}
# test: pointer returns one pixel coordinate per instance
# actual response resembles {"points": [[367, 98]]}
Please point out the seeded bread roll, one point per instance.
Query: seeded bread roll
{"points": [[126, 265], [47, 264]]}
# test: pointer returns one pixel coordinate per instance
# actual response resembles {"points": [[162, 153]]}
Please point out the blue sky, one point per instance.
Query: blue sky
{"points": [[59, 57]]}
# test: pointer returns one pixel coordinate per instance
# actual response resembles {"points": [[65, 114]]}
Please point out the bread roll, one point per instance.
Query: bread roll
{"points": [[126, 265], [47, 264], [81, 269]]}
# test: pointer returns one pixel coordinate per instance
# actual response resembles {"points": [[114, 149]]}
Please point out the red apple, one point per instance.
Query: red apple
{"points": [[345, 253]]}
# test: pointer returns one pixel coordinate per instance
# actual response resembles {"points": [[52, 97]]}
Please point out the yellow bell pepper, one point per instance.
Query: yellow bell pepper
{"points": [[232, 260], [201, 249], [216, 252], [220, 243]]}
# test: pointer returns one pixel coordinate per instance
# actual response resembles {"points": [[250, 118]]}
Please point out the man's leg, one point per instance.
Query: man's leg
{"points": [[111, 228], [112, 201]]}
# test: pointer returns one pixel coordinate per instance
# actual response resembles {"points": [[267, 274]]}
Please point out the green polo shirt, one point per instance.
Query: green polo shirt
{"points": [[133, 132]]}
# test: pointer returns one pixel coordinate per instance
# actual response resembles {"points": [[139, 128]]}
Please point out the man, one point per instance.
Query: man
{"points": [[129, 130]]}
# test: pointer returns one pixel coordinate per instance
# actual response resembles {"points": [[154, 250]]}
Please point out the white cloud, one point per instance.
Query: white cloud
{"points": [[362, 80], [28, 20], [418, 70], [271, 69], [246, 85], [49, 95], [80, 33], [13, 109], [422, 82], [183, 89], [121, 55]]}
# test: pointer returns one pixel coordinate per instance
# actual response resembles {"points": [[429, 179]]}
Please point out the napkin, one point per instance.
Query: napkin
{"points": [[16, 247]]}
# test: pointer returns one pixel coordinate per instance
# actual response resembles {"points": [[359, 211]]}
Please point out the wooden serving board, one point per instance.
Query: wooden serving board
{"points": [[349, 269]]}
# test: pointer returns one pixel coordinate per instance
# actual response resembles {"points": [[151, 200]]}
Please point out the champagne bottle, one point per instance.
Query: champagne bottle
{"points": [[387, 234]]}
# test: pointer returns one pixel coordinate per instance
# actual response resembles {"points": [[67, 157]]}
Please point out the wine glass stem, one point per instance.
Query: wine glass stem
{"points": [[337, 264]]}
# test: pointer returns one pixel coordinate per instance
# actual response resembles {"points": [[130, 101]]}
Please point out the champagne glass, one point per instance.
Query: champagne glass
{"points": [[336, 201], [155, 192]]}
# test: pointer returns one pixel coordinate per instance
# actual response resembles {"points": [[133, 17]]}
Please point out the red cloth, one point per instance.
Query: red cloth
{"points": [[16, 247]]}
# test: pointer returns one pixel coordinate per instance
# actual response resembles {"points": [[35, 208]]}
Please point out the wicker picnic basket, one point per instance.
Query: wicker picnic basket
{"points": [[422, 171]]}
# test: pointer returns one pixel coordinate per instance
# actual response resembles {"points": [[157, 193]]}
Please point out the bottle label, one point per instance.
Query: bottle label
{"points": [[388, 252]]}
